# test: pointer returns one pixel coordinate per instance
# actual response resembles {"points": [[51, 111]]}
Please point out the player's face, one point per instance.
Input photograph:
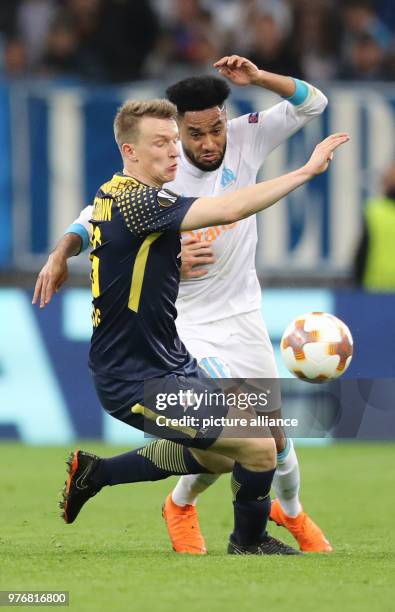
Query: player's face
{"points": [[203, 137], [156, 150]]}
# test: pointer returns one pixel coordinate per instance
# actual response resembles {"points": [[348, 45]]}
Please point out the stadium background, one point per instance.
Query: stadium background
{"points": [[64, 67]]}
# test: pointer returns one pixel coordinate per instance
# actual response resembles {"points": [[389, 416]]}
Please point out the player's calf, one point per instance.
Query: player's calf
{"points": [[252, 476]]}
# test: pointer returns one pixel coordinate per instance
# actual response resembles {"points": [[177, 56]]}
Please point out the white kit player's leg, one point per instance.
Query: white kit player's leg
{"points": [[188, 488], [286, 481], [240, 347], [244, 343]]}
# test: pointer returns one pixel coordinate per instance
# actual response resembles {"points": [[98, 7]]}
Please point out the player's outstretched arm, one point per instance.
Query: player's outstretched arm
{"points": [[301, 103], [55, 272], [250, 200]]}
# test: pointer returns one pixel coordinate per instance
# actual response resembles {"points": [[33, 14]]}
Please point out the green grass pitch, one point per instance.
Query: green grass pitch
{"points": [[117, 555]]}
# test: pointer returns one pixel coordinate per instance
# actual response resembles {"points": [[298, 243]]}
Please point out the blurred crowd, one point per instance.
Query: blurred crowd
{"points": [[124, 40]]}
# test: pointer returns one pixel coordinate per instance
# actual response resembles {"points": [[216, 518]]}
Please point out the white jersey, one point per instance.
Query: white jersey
{"points": [[231, 286]]}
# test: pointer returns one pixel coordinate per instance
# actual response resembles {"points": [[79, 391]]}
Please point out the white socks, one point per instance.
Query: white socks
{"points": [[286, 481], [189, 487]]}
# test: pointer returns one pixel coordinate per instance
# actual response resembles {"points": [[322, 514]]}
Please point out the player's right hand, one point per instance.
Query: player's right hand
{"points": [[323, 153], [52, 276], [238, 69], [194, 254]]}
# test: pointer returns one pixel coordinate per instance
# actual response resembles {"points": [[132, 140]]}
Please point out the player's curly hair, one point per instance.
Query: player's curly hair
{"points": [[198, 93]]}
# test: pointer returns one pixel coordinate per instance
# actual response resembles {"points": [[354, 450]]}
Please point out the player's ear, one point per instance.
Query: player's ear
{"points": [[129, 151]]}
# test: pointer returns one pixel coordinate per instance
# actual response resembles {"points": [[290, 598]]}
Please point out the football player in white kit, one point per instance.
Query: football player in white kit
{"points": [[219, 302]]}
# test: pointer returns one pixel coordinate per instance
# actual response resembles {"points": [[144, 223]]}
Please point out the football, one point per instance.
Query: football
{"points": [[317, 347]]}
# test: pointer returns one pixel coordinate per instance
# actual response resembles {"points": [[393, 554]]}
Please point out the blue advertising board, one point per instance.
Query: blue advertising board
{"points": [[46, 393]]}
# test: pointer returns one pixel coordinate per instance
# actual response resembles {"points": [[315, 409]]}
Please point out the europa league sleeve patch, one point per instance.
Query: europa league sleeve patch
{"points": [[167, 198], [253, 118]]}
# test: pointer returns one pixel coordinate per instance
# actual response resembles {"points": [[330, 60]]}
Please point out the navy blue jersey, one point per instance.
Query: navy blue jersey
{"points": [[135, 275]]}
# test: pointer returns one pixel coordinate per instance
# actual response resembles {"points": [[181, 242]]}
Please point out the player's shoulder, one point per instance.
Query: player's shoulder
{"points": [[251, 122], [247, 119], [120, 184], [245, 124]]}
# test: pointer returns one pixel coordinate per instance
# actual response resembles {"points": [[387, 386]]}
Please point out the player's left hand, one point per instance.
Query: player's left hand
{"points": [[52, 276], [237, 69], [195, 254], [323, 153]]}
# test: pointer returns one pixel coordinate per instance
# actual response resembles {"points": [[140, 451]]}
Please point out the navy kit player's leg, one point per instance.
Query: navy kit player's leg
{"points": [[251, 481], [252, 475]]}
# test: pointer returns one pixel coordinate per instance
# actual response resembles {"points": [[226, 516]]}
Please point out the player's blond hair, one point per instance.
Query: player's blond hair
{"points": [[127, 119]]}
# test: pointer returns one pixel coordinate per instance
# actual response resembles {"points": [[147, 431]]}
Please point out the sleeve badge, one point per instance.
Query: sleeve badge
{"points": [[253, 118]]}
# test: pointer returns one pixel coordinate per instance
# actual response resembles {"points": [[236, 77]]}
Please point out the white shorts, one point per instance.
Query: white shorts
{"points": [[235, 347]]}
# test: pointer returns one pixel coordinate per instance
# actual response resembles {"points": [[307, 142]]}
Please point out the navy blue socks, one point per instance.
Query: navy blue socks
{"points": [[251, 503], [156, 461]]}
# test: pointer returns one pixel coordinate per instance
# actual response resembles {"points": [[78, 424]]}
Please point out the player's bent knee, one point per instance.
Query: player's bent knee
{"points": [[213, 462], [258, 454]]}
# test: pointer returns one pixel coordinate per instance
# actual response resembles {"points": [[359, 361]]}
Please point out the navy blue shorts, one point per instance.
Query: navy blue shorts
{"points": [[166, 408]]}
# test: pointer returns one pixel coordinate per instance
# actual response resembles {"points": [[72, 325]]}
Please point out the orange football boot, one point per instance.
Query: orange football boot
{"points": [[183, 527], [308, 535]]}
